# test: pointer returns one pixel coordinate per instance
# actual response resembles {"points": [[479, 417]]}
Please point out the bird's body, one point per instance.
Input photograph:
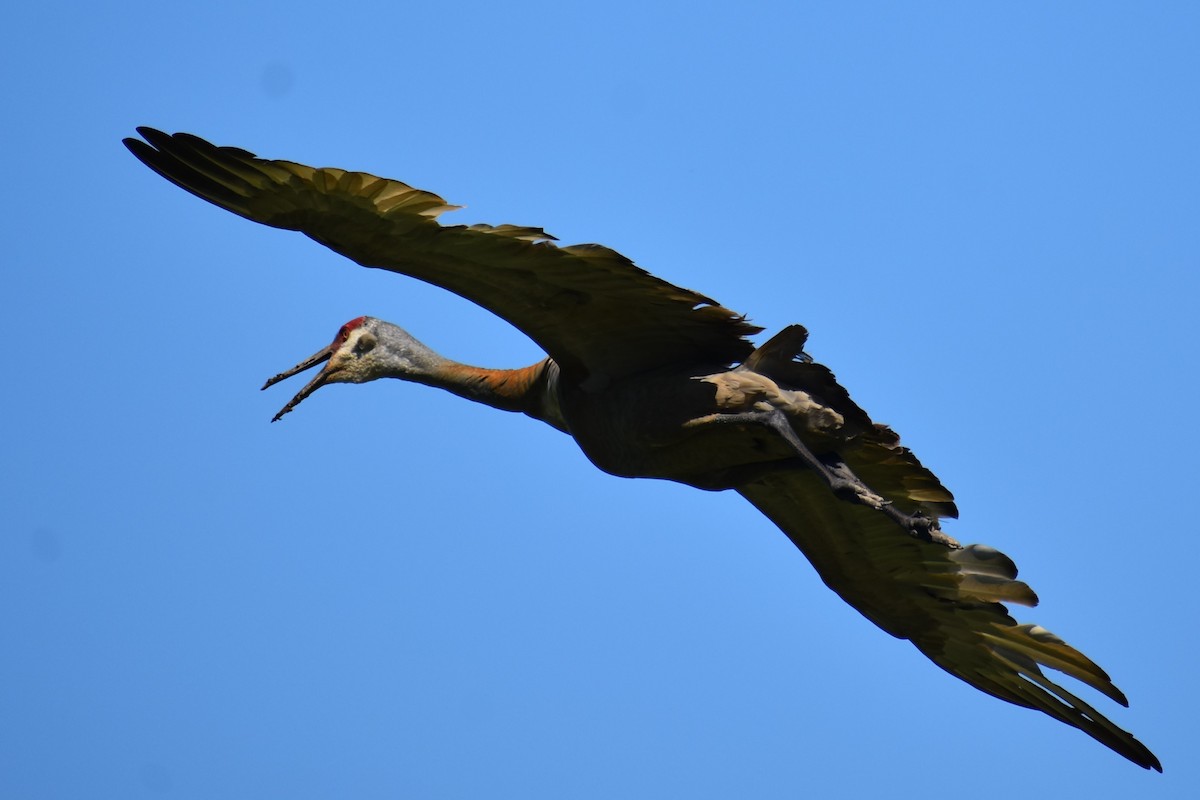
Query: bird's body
{"points": [[646, 428], [655, 381]]}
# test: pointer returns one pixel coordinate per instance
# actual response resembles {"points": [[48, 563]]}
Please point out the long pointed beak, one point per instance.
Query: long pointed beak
{"points": [[316, 383]]}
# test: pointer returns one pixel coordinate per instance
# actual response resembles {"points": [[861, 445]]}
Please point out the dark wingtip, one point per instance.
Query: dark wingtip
{"points": [[137, 147]]}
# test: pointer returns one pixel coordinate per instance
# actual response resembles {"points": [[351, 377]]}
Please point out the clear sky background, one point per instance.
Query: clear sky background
{"points": [[986, 216]]}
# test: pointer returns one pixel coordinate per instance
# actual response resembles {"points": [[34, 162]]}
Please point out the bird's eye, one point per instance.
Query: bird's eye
{"points": [[364, 345]]}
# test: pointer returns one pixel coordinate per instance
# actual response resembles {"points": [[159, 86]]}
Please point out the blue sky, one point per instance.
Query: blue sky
{"points": [[986, 217]]}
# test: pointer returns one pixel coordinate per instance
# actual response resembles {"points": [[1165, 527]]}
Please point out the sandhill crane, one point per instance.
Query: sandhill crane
{"points": [[656, 381]]}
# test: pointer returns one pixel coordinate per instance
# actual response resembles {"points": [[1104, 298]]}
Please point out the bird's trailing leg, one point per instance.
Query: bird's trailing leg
{"points": [[836, 473], [840, 479]]}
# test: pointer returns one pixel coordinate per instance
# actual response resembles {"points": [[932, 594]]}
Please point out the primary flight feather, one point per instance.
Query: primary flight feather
{"points": [[656, 381]]}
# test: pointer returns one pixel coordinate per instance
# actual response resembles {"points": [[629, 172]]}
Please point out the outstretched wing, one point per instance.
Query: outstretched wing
{"points": [[590, 308], [944, 598]]}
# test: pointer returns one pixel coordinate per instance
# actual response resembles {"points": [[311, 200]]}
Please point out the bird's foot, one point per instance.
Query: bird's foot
{"points": [[919, 526]]}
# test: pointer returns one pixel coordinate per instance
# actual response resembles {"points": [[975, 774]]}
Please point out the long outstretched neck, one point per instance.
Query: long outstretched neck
{"points": [[366, 349], [531, 390]]}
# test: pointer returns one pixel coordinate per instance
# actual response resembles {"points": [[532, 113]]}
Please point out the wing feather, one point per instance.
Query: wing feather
{"points": [[945, 599], [595, 312]]}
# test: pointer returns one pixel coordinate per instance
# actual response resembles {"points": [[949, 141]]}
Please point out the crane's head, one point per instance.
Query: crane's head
{"points": [[364, 349]]}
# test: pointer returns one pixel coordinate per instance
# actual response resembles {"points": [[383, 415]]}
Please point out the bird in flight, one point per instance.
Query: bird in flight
{"points": [[655, 381]]}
